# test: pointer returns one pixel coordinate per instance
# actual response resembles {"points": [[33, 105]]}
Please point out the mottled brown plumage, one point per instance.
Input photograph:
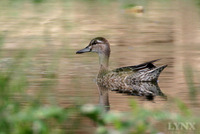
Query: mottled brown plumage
{"points": [[124, 77]]}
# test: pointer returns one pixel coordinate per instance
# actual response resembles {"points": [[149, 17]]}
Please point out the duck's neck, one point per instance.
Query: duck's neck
{"points": [[103, 61]]}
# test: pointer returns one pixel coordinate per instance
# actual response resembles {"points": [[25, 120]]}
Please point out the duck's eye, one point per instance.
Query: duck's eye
{"points": [[94, 43]]}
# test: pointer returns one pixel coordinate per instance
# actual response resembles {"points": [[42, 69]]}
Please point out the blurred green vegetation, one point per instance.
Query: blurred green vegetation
{"points": [[197, 2], [139, 120], [190, 82]]}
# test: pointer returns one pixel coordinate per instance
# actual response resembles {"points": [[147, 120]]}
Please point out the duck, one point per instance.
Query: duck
{"points": [[124, 77]]}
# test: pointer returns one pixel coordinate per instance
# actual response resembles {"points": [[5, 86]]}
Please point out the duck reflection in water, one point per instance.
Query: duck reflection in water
{"points": [[149, 91]]}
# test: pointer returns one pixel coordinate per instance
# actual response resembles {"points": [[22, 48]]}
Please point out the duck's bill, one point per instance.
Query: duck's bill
{"points": [[83, 50]]}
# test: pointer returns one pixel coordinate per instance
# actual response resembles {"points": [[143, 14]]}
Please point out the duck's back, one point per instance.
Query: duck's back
{"points": [[122, 78]]}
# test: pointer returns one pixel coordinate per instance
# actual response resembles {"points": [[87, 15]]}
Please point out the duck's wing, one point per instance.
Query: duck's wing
{"points": [[148, 65]]}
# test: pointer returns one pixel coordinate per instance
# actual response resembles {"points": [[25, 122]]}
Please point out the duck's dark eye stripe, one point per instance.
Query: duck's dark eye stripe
{"points": [[94, 43]]}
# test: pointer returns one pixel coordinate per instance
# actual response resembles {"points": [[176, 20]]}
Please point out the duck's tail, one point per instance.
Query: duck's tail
{"points": [[150, 75]]}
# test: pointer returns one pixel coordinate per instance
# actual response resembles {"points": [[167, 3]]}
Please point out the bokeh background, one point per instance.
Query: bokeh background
{"points": [[39, 39]]}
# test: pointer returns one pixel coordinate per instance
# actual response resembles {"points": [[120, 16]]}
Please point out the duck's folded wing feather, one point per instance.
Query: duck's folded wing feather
{"points": [[148, 65]]}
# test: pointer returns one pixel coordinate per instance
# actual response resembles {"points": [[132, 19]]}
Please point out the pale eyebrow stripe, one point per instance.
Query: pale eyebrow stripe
{"points": [[99, 41]]}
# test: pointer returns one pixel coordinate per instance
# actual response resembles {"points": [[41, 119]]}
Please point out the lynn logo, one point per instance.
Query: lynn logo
{"points": [[181, 126]]}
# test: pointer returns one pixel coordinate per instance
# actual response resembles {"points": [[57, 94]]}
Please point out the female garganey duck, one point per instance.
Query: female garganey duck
{"points": [[120, 78]]}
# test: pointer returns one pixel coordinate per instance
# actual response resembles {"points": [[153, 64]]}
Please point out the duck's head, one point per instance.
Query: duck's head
{"points": [[98, 45]]}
